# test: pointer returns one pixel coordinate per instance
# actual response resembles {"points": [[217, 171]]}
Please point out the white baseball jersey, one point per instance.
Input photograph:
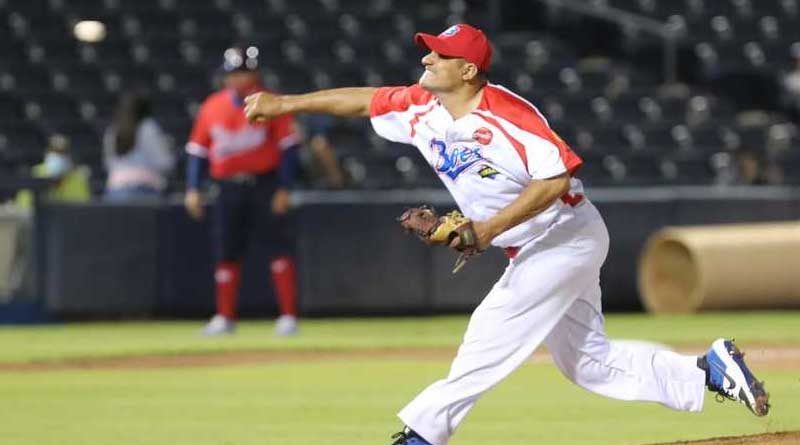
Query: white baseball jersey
{"points": [[485, 158]]}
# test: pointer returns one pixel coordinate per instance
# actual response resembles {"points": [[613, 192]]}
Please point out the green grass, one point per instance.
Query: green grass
{"points": [[342, 402], [65, 341], [347, 400]]}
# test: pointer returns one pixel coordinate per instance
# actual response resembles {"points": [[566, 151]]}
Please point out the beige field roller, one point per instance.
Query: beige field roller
{"points": [[735, 266]]}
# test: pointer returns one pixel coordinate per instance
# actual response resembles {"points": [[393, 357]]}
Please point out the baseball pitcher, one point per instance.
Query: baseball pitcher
{"points": [[514, 181]]}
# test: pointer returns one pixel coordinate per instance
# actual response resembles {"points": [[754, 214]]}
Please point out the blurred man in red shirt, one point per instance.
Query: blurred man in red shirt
{"points": [[252, 166]]}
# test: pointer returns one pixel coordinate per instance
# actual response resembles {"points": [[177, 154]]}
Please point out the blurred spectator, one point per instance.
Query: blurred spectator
{"points": [[71, 181], [791, 85], [324, 164], [70, 184], [749, 167], [753, 168], [135, 152]]}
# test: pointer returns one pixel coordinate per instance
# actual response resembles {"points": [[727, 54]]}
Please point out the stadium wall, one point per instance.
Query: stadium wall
{"points": [[152, 260]]}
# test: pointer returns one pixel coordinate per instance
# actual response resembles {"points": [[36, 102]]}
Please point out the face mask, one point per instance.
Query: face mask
{"points": [[56, 164]]}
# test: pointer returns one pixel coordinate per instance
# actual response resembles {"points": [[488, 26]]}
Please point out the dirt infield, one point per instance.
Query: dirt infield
{"points": [[763, 357], [784, 438], [227, 358]]}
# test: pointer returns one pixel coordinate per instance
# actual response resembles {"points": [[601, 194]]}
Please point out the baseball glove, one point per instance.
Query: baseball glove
{"points": [[453, 230]]}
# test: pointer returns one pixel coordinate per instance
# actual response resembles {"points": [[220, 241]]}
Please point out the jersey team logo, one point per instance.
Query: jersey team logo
{"points": [[483, 135], [457, 160]]}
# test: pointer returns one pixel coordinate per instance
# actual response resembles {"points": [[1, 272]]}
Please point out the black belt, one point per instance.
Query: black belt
{"points": [[246, 178]]}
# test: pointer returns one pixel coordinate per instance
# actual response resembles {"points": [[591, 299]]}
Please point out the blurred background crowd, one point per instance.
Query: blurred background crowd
{"points": [[723, 111]]}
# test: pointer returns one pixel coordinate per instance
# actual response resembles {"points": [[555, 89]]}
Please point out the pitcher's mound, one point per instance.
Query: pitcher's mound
{"points": [[784, 438]]}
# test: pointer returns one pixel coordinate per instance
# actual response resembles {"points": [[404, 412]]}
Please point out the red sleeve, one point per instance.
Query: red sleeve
{"points": [[388, 99], [527, 117], [571, 160], [200, 137], [284, 131]]}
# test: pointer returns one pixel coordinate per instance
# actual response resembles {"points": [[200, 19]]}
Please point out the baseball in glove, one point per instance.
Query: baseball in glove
{"points": [[453, 230]]}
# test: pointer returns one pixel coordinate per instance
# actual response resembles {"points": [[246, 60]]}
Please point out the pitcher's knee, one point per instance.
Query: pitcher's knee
{"points": [[593, 374], [590, 370]]}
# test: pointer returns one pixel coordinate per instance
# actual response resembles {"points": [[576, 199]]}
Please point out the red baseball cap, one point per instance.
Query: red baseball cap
{"points": [[459, 40]]}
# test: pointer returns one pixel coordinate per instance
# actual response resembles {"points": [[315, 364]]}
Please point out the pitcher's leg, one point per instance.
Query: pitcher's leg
{"points": [[584, 354], [493, 347], [503, 332]]}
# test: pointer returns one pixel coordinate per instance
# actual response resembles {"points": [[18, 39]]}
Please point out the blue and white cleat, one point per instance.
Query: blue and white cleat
{"points": [[408, 437], [729, 376]]}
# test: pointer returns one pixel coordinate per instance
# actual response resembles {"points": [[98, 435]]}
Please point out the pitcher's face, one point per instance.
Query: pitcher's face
{"points": [[442, 73]]}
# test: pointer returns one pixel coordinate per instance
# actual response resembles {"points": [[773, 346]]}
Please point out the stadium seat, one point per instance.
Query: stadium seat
{"points": [[789, 164], [693, 170], [85, 142], [611, 111], [647, 140], [593, 174], [24, 143], [371, 173], [12, 49], [752, 137], [141, 6], [27, 78], [415, 172], [10, 108], [45, 26], [82, 81], [171, 106], [178, 128], [641, 170], [51, 107], [592, 143]]}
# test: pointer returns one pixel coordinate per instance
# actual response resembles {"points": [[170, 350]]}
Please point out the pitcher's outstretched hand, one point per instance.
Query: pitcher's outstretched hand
{"points": [[262, 106]]}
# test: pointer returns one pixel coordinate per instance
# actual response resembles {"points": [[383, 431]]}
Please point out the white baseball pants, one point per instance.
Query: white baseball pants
{"points": [[550, 293]]}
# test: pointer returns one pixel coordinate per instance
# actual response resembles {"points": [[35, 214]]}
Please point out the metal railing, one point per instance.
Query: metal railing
{"points": [[669, 33]]}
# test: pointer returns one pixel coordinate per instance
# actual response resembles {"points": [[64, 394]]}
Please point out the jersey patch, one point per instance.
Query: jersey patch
{"points": [[487, 172], [457, 160], [483, 135]]}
